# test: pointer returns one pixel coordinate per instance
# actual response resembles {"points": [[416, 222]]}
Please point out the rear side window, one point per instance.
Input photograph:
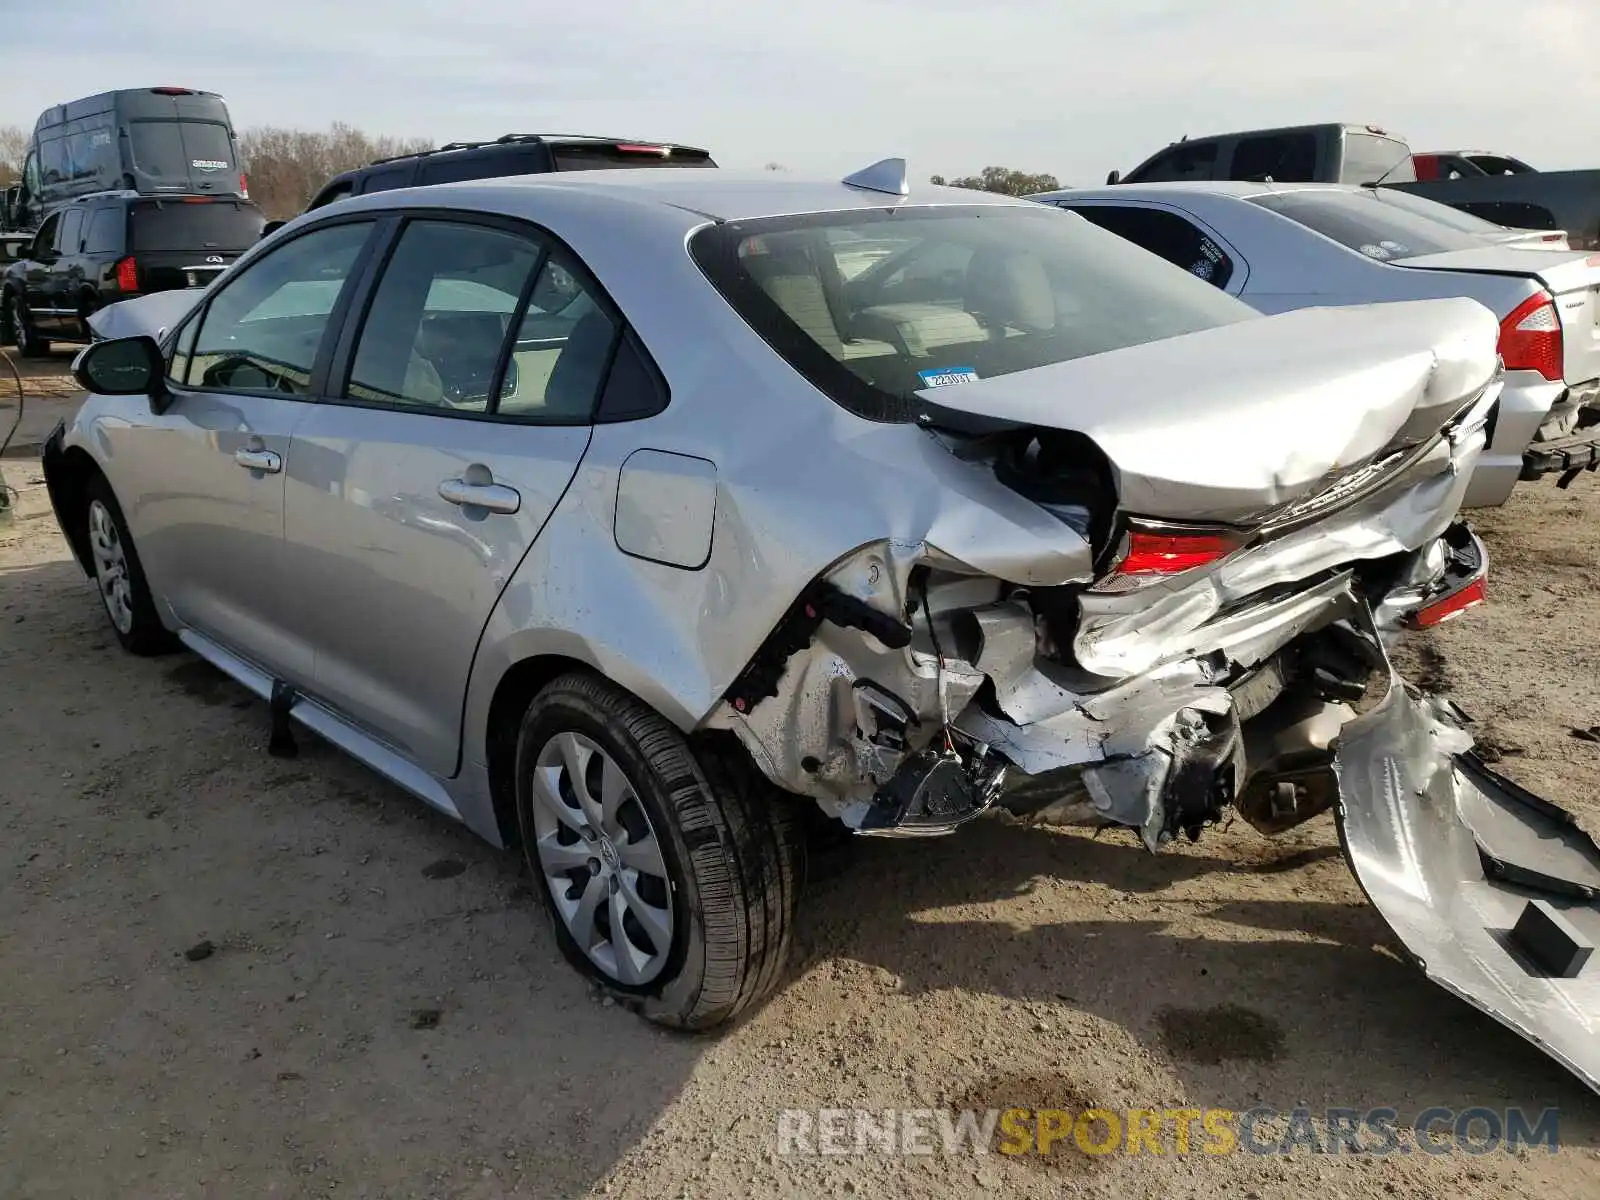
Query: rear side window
{"points": [[1496, 164], [1192, 161], [105, 232], [483, 164], [1164, 234], [176, 225], [611, 155], [1361, 221], [1280, 157], [388, 178], [1369, 158]]}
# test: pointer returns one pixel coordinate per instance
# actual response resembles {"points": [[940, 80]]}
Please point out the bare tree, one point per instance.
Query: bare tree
{"points": [[13, 147], [1005, 180], [287, 167]]}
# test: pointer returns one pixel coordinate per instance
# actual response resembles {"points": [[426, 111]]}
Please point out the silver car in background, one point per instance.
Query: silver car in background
{"points": [[1281, 247], [636, 518]]}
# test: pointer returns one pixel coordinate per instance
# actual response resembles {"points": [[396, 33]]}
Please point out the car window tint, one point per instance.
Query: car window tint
{"points": [[1360, 220], [563, 349], [182, 352], [105, 229], [262, 330], [1195, 161], [389, 177], [1166, 234], [71, 231], [45, 239], [438, 322], [1281, 157]]}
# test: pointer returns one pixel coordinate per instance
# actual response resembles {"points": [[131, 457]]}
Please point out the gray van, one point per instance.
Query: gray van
{"points": [[155, 141]]}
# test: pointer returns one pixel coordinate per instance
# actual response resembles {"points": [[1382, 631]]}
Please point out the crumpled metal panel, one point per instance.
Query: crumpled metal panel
{"points": [[1305, 394], [1424, 827], [150, 315]]}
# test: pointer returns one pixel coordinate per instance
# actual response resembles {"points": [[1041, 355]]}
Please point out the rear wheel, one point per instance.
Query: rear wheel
{"points": [[671, 875], [119, 577], [18, 329]]}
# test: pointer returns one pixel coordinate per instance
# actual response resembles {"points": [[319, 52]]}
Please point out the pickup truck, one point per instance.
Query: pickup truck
{"points": [[1366, 154]]}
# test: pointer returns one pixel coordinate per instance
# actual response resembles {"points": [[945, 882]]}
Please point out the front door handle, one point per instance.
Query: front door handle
{"points": [[259, 460], [492, 497]]}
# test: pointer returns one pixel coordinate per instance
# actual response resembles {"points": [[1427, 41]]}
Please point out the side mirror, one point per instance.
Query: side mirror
{"points": [[271, 227], [129, 366], [1114, 178]]}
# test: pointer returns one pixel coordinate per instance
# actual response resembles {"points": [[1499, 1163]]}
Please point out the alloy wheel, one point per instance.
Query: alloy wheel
{"points": [[601, 860], [111, 567]]}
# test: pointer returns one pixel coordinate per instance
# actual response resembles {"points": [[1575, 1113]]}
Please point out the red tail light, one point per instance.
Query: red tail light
{"points": [[1153, 555], [127, 275], [1530, 338], [244, 185]]}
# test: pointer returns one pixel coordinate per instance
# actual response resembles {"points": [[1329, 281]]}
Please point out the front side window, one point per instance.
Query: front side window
{"points": [[440, 317], [45, 240], [71, 229], [1165, 234], [262, 331], [1361, 220], [1037, 287], [1194, 161]]}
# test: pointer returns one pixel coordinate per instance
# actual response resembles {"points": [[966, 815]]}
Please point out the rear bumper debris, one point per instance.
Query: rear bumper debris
{"points": [[1494, 892]]}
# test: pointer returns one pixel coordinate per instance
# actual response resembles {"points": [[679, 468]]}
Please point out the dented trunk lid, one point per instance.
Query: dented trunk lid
{"points": [[1230, 423]]}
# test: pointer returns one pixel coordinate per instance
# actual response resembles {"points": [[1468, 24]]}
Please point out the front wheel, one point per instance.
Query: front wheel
{"points": [[671, 875], [119, 576]]}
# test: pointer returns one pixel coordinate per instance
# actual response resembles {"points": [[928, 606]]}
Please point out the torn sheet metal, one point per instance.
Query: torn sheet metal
{"points": [[1494, 892], [151, 315]]}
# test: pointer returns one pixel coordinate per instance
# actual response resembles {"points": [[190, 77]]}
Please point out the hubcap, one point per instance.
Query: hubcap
{"points": [[601, 860], [110, 567]]}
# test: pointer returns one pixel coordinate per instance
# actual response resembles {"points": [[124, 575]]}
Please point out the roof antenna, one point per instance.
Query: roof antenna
{"points": [[886, 175]]}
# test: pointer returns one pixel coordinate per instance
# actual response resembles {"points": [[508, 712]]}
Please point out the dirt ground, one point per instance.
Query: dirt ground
{"points": [[384, 1012]]}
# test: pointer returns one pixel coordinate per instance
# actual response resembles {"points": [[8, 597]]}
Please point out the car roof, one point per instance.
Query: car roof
{"points": [[720, 195]]}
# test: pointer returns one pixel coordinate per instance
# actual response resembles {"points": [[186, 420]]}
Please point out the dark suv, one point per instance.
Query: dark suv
{"points": [[513, 154], [100, 249]]}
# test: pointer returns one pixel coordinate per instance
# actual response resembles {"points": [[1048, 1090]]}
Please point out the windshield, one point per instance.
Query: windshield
{"points": [[179, 149], [1362, 221], [214, 225], [874, 306]]}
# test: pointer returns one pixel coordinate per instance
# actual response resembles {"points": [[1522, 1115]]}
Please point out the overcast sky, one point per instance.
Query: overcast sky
{"points": [[1064, 86]]}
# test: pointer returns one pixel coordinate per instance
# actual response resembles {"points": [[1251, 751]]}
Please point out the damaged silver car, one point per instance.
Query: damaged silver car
{"points": [[627, 517]]}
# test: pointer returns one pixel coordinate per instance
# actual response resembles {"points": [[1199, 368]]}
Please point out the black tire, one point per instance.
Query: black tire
{"points": [[146, 636], [732, 845], [18, 330]]}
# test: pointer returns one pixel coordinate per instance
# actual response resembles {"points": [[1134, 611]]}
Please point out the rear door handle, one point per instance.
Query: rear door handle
{"points": [[259, 460], [493, 497]]}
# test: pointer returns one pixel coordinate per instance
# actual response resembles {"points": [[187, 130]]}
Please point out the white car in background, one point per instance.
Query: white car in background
{"points": [[1281, 247]]}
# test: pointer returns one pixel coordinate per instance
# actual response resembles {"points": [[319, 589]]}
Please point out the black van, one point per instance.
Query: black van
{"points": [[155, 141]]}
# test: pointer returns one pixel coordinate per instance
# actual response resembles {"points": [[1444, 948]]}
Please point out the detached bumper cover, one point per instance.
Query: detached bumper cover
{"points": [[1493, 891]]}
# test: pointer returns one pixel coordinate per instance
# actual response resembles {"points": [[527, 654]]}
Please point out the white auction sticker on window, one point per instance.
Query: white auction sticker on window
{"points": [[945, 376]]}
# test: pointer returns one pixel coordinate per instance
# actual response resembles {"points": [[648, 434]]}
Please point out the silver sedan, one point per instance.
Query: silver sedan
{"points": [[638, 518], [1286, 246]]}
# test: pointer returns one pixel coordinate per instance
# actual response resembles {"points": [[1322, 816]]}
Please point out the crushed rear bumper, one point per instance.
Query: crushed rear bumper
{"points": [[1494, 892]]}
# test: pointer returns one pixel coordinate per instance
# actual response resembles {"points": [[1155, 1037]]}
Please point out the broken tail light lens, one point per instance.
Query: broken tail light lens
{"points": [[1530, 338], [1151, 555], [1449, 607]]}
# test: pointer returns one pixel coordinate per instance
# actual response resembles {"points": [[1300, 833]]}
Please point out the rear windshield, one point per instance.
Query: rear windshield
{"points": [[181, 149], [1442, 213], [215, 225], [605, 155], [1369, 158], [873, 306], [1366, 223]]}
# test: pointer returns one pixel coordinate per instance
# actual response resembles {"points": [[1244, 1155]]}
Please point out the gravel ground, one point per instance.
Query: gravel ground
{"points": [[372, 1003]]}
